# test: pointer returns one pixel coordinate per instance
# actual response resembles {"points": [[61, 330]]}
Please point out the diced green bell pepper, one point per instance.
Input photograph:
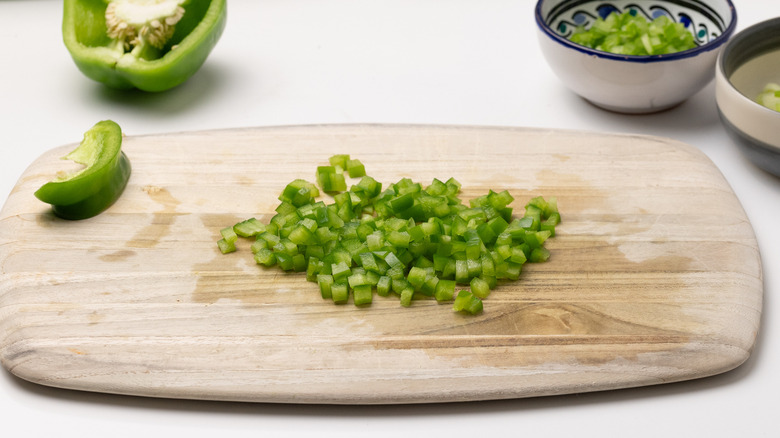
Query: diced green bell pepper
{"points": [[770, 96], [467, 302], [152, 45], [99, 184], [415, 241]]}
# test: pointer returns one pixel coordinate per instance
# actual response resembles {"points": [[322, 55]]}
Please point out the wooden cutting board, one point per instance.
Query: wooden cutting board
{"points": [[655, 275]]}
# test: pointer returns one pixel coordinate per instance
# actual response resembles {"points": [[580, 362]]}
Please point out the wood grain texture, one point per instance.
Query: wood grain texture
{"points": [[654, 277]]}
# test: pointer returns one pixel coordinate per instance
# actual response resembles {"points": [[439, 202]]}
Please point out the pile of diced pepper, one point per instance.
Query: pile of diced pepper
{"points": [[413, 241], [630, 33]]}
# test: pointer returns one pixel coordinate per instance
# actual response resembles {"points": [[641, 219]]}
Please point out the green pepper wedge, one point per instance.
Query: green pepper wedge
{"points": [[99, 184], [151, 45]]}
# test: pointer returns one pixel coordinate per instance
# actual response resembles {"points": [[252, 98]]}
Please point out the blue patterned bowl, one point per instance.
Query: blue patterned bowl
{"points": [[634, 84]]}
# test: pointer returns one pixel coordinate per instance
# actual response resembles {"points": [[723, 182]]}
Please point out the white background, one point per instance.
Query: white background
{"points": [[473, 62]]}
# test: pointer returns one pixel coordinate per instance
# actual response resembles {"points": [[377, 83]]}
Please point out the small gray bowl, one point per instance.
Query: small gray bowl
{"points": [[634, 84], [747, 63]]}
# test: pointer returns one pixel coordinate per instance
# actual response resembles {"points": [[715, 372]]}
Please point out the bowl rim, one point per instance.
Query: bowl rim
{"points": [[740, 36], [711, 45]]}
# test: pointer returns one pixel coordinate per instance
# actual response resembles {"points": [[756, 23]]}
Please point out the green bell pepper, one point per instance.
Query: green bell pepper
{"points": [[94, 188], [152, 45]]}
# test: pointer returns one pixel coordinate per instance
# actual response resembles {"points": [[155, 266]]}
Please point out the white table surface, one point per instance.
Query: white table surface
{"points": [[284, 62]]}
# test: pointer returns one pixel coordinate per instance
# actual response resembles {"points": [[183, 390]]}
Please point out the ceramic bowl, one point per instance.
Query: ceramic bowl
{"points": [[747, 63], [634, 84]]}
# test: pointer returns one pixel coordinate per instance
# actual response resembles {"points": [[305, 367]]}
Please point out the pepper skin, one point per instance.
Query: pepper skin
{"points": [[93, 189], [111, 48]]}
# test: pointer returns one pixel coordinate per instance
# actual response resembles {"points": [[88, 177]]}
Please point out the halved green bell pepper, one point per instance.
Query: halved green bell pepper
{"points": [[152, 45], [99, 184]]}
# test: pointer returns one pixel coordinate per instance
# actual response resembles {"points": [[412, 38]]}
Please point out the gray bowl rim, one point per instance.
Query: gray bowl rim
{"points": [[751, 51], [642, 59]]}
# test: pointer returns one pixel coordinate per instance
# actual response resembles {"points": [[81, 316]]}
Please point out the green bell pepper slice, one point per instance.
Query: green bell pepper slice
{"points": [[99, 184], [152, 45]]}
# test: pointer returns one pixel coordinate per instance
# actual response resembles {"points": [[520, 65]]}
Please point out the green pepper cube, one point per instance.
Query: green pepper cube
{"points": [[424, 262], [473, 249], [341, 255], [365, 227], [324, 235], [498, 224], [406, 296], [226, 246], [284, 208], [287, 247], [399, 284], [375, 241], [307, 211], [355, 168], [284, 260], [228, 234], [384, 285], [437, 188], [325, 283], [513, 271], [302, 196], [299, 263], [428, 288], [339, 292], [340, 271], [265, 257], [270, 238], [518, 256], [257, 245], [504, 251], [450, 269], [325, 170], [399, 239], [539, 255], [488, 265], [416, 277], [416, 233], [339, 160], [536, 239], [372, 278], [550, 223], [402, 203], [314, 251], [467, 302], [479, 287], [505, 238], [393, 261], [249, 228], [500, 200], [301, 235], [396, 273], [445, 290], [474, 267], [314, 267], [330, 180], [491, 280], [368, 262], [461, 271], [357, 279], [362, 294], [299, 192], [369, 186]]}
